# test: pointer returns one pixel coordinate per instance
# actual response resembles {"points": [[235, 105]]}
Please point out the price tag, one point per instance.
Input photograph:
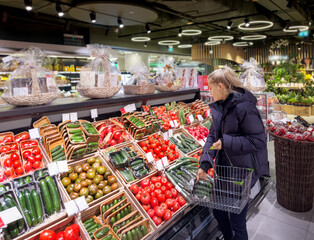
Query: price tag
{"points": [[150, 157], [53, 168], [132, 107], [7, 59], [122, 110], [81, 203], [165, 135], [172, 124], [200, 118], [165, 161], [34, 133], [10, 215], [62, 166], [191, 118], [170, 133], [65, 117], [202, 142], [176, 124], [71, 208], [94, 113], [73, 116], [207, 113], [159, 165]]}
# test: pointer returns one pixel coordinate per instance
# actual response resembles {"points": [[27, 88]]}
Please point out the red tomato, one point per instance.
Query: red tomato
{"points": [[71, 233], [159, 211], [164, 181], [154, 180], [153, 194], [112, 142], [19, 170], [2, 178], [163, 189], [17, 163], [147, 189], [154, 202], [169, 185], [33, 143], [174, 192], [145, 198], [8, 162], [211, 172], [145, 182], [75, 227], [157, 220], [158, 191], [36, 164], [24, 145], [157, 185], [134, 189], [164, 205], [26, 154], [14, 146], [14, 157], [30, 159], [28, 166], [120, 139], [170, 203], [164, 148], [145, 149], [7, 139], [60, 236], [47, 235], [143, 144], [171, 157], [166, 141], [176, 206], [172, 147], [161, 198], [181, 201], [157, 150], [116, 135], [138, 196], [8, 171], [4, 149], [38, 157], [161, 155], [24, 136], [146, 207], [168, 215], [152, 187], [168, 194], [151, 213], [36, 151]]}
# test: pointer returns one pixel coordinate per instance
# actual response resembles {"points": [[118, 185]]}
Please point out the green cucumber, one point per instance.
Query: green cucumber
{"points": [[20, 182], [11, 203], [144, 230], [134, 163], [109, 237], [46, 197], [53, 193], [134, 234], [37, 204], [55, 149], [73, 131], [30, 206], [139, 233], [2, 189], [102, 233], [73, 126], [89, 221], [22, 201]]}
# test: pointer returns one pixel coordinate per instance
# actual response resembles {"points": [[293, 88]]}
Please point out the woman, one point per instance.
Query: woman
{"points": [[237, 136]]}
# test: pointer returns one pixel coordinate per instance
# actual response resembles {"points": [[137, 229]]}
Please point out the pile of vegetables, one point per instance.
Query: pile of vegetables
{"points": [[184, 143], [72, 232], [199, 132]]}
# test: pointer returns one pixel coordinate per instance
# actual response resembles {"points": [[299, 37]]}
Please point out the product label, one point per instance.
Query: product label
{"points": [[165, 161], [165, 135], [73, 116], [170, 133], [20, 91], [71, 208], [202, 142], [172, 124], [53, 168], [34, 133], [113, 80], [200, 118], [150, 157], [10, 215], [81, 203], [65, 117], [159, 165], [101, 81], [94, 113], [207, 113], [62, 166]]}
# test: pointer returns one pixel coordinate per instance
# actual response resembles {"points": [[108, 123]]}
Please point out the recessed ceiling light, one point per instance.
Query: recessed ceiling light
{"points": [[212, 43], [140, 39], [242, 44], [296, 28], [185, 46], [220, 38], [169, 42], [191, 32], [268, 24], [253, 37]]}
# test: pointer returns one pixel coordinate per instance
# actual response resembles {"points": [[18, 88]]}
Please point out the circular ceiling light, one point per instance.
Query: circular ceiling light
{"points": [[185, 46], [242, 44], [140, 39], [191, 32], [169, 42], [212, 43], [296, 28], [253, 37], [220, 38], [268, 24]]}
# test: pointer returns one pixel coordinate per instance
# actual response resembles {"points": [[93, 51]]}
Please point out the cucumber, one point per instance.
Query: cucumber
{"points": [[88, 221], [39, 174], [11, 203], [53, 193], [134, 234], [124, 237], [144, 230], [46, 197], [74, 131], [2, 189], [20, 182], [28, 179], [134, 163], [109, 237], [59, 155], [37, 204], [129, 235], [138, 167], [5, 230], [21, 199], [59, 159], [30, 206], [73, 126], [55, 149], [93, 227], [139, 233], [79, 134], [89, 225], [92, 144], [102, 233]]}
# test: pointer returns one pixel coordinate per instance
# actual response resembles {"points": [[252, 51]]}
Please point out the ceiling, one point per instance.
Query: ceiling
{"points": [[166, 17]]}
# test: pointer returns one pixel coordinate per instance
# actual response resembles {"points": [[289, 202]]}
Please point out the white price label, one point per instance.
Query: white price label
{"points": [[159, 165], [191, 118], [65, 117], [207, 113], [205, 87], [165, 161], [132, 107], [34, 133], [200, 118], [10, 215], [73, 116], [150, 157], [94, 113], [62, 166], [81, 203], [71, 208], [170, 133], [202, 142], [165, 135], [176, 124], [172, 124], [7, 59], [53, 168]]}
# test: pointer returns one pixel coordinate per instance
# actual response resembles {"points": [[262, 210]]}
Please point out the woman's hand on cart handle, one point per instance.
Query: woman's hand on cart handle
{"points": [[201, 174]]}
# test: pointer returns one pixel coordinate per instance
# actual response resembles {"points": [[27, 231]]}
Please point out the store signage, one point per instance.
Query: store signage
{"points": [[73, 116], [55, 168], [94, 113], [8, 216], [303, 34], [34, 133], [76, 206], [65, 117]]}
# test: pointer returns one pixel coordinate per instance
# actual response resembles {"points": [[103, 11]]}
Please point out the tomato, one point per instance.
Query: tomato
{"points": [[134, 189], [157, 150], [147, 189], [163, 189], [36, 164], [4, 149], [7, 139], [157, 220], [168, 194], [168, 215], [112, 142], [47, 235], [164, 205], [76, 227], [24, 136], [181, 201], [146, 207], [166, 142], [172, 147], [145, 149], [161, 198], [116, 135], [176, 206], [159, 178], [33, 143], [164, 181], [2, 178], [153, 194], [169, 185], [164, 148], [8, 171], [154, 202], [161, 155], [159, 211], [157, 185], [120, 139], [19, 170], [145, 182], [151, 213], [38, 157], [138, 196], [14, 157], [154, 180], [211, 172], [71, 233], [170, 203], [14, 146], [8, 162], [30, 159], [145, 198], [17, 163], [28, 166], [60, 236], [158, 191], [26, 154], [36, 151], [152, 187], [143, 144], [174, 192]]}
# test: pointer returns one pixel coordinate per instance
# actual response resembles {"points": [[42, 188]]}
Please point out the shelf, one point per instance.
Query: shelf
{"points": [[5, 73], [75, 81], [67, 72]]}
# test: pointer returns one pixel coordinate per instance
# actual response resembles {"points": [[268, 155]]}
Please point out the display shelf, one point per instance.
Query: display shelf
{"points": [[5, 73], [67, 72], [64, 85]]}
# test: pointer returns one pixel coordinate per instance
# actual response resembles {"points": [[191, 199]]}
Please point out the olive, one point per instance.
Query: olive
{"points": [[89, 198], [74, 195], [82, 175], [112, 179], [84, 183], [77, 187], [101, 170], [70, 188], [102, 184], [84, 192], [70, 169], [96, 180], [92, 189], [106, 189], [114, 186], [107, 174], [73, 176], [90, 175], [91, 160], [96, 165], [66, 181], [99, 194], [78, 169], [86, 166]]}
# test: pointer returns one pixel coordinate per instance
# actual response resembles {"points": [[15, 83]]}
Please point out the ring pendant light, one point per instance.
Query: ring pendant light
{"points": [[169, 42], [296, 28], [212, 43], [220, 38], [268, 24], [140, 39], [191, 32], [253, 37], [242, 44], [185, 46]]}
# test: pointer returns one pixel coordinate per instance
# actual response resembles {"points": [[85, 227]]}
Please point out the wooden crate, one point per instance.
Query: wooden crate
{"points": [[302, 111], [287, 108], [186, 133]]}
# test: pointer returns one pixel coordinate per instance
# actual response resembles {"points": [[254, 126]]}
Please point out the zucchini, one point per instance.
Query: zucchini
{"points": [[143, 229], [46, 197], [88, 221], [53, 193], [37, 204]]}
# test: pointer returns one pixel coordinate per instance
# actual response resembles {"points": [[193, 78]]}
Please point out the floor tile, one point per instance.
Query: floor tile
{"points": [[311, 227], [254, 224], [309, 236]]}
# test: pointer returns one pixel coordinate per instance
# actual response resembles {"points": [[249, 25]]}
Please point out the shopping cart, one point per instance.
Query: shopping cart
{"points": [[230, 189]]}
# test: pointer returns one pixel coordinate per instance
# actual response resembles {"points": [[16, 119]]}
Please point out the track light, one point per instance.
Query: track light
{"points": [[287, 26], [92, 17], [145, 44], [180, 32], [147, 28], [28, 5], [229, 24], [120, 23], [247, 22], [59, 10]]}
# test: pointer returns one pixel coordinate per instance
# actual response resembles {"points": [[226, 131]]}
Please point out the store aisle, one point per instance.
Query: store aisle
{"points": [[269, 221]]}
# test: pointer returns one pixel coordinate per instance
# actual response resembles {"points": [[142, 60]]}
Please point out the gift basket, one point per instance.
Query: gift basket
{"points": [[139, 82], [253, 77], [99, 79], [30, 84], [166, 78]]}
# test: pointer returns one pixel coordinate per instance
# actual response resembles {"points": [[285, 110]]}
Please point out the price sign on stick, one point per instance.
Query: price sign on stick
{"points": [[65, 117], [94, 113], [73, 116], [8, 216], [159, 165], [150, 157], [71, 208], [165, 162], [34, 133], [200, 118]]}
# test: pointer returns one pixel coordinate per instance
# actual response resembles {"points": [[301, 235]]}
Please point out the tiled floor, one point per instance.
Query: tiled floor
{"points": [[269, 221]]}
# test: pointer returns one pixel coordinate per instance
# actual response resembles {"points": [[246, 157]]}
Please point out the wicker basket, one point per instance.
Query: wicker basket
{"points": [[98, 92], [167, 89], [139, 89], [294, 173]]}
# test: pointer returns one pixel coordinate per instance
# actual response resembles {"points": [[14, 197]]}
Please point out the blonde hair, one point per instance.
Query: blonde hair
{"points": [[227, 77]]}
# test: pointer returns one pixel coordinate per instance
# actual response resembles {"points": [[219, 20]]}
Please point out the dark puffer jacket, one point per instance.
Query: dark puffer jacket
{"points": [[237, 122]]}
